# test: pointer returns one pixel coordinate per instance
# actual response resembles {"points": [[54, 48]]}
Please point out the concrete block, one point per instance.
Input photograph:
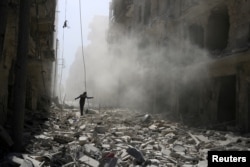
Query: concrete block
{"points": [[89, 161]]}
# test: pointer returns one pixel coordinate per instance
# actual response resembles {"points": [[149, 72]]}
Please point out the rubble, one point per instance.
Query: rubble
{"points": [[110, 138], [89, 161]]}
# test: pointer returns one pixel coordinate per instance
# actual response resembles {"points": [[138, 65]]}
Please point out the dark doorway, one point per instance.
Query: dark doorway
{"points": [[196, 35], [218, 28], [147, 12], [227, 99]]}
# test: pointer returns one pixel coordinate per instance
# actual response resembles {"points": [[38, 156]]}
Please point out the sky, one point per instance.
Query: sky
{"points": [[71, 40], [132, 73]]}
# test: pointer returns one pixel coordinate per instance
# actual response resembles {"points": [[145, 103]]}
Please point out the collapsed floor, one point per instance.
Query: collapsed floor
{"points": [[116, 137]]}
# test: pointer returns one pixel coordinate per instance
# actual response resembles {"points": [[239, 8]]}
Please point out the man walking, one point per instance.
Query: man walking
{"points": [[82, 101]]}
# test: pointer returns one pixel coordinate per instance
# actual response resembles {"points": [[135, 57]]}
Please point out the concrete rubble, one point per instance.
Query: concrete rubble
{"points": [[116, 137]]}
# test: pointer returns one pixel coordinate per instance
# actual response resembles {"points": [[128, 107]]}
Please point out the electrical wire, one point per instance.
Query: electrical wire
{"points": [[62, 65], [60, 83], [85, 73], [84, 66]]}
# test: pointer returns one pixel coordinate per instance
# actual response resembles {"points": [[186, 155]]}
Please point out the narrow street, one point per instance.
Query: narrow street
{"points": [[124, 83], [117, 137]]}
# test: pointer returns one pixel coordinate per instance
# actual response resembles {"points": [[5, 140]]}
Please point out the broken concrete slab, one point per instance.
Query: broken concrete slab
{"points": [[91, 149], [92, 111], [162, 143], [135, 153], [179, 148], [89, 161], [83, 140], [63, 139], [100, 129]]}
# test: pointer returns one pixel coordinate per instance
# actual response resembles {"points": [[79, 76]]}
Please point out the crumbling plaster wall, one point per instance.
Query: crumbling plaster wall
{"points": [[172, 20], [238, 37], [7, 61], [240, 23], [35, 87], [39, 77], [239, 20]]}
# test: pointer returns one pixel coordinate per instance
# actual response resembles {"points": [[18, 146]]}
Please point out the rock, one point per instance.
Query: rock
{"points": [[63, 139], [100, 129], [154, 161], [179, 148], [202, 138], [152, 127], [147, 118], [90, 149], [126, 138], [202, 163], [106, 146], [91, 111], [166, 152], [133, 142], [83, 127], [136, 154], [26, 163], [71, 121], [42, 137], [83, 140], [89, 161]]}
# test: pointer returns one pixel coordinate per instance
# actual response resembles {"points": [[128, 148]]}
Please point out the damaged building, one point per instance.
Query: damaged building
{"points": [[190, 63], [40, 27], [219, 95]]}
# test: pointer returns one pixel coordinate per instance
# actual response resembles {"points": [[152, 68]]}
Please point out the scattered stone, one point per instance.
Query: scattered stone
{"points": [[89, 161], [91, 149], [83, 127], [100, 129], [83, 140], [179, 148], [113, 138], [91, 111], [136, 154], [147, 118], [63, 139]]}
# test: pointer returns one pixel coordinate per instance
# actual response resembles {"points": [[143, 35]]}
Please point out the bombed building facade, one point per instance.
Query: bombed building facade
{"points": [[41, 54], [219, 93]]}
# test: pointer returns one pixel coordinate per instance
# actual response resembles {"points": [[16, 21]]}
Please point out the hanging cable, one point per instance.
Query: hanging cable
{"points": [[85, 73], [62, 65], [65, 24]]}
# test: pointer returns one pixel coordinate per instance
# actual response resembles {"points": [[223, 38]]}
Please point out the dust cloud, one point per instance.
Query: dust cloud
{"points": [[132, 73]]}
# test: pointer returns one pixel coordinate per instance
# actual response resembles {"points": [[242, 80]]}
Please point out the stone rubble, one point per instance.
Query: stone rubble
{"points": [[117, 138]]}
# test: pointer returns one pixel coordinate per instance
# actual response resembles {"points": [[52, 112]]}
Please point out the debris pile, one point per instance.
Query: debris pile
{"points": [[118, 137]]}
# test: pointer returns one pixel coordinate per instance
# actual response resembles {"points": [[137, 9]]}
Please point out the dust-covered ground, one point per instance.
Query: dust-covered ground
{"points": [[117, 137]]}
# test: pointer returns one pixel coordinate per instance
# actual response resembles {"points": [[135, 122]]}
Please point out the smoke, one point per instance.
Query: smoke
{"points": [[135, 73]]}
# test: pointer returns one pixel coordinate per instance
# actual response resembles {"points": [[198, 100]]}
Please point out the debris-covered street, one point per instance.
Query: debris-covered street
{"points": [[116, 137], [124, 83]]}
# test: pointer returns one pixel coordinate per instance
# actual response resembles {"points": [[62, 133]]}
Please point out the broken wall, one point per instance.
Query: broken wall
{"points": [[217, 30], [40, 50], [7, 60]]}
